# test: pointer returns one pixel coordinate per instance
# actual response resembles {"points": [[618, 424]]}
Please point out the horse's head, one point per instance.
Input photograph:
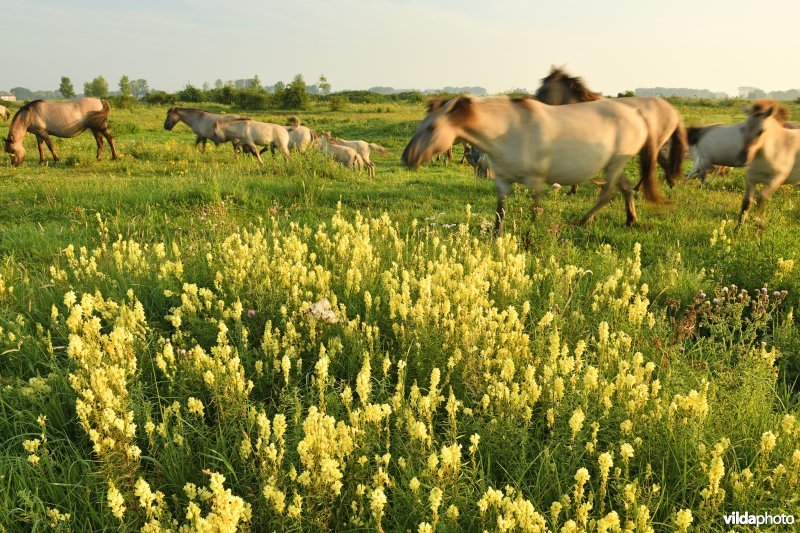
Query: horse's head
{"points": [[16, 150], [436, 133], [173, 117], [762, 115]]}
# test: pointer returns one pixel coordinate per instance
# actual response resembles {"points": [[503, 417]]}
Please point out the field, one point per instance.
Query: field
{"points": [[167, 359]]}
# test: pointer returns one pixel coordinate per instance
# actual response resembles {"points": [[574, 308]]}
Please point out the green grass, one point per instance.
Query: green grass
{"points": [[163, 190]]}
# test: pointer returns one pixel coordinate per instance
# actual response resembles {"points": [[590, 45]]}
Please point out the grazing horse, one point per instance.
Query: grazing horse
{"points": [[362, 148], [345, 155], [663, 121], [771, 150], [533, 143], [60, 119], [479, 161], [201, 122], [4, 113], [251, 133]]}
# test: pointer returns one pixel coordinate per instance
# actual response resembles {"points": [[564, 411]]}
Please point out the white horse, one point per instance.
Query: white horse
{"points": [[250, 134], [363, 149], [533, 143], [771, 150], [340, 153], [714, 145], [4, 113], [201, 122]]}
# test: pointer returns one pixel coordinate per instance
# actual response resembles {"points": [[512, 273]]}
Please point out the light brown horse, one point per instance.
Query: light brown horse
{"points": [[362, 148], [201, 122], [345, 155], [663, 121], [4, 113], [771, 150], [533, 143], [250, 134], [60, 119]]}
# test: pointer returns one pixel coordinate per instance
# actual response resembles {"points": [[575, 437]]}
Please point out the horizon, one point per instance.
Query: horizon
{"points": [[438, 44]]}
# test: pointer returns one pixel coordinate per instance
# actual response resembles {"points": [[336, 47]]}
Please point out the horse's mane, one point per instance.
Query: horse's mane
{"points": [[574, 83], [30, 104], [779, 113]]}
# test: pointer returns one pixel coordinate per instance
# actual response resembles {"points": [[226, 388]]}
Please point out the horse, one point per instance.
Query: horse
{"points": [[363, 148], [300, 137], [532, 143], [714, 145], [663, 121], [4, 113], [345, 155], [771, 151], [251, 133], [720, 146], [479, 161], [60, 119], [201, 122]]}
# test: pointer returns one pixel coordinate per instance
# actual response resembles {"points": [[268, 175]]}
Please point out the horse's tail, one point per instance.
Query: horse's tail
{"points": [[693, 135], [378, 148], [677, 151], [98, 120], [647, 158]]}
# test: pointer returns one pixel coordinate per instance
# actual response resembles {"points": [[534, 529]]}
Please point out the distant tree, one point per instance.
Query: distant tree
{"points": [[755, 94], [218, 84], [744, 91], [98, 87], [22, 93], [139, 88], [323, 85], [66, 89], [190, 93], [626, 94], [255, 83], [125, 90], [206, 86], [295, 95], [279, 86]]}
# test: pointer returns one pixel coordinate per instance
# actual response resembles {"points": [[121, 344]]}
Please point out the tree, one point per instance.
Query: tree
{"points": [[125, 90], [255, 83], [295, 96], [323, 85], [97, 87], [66, 89], [218, 84], [139, 88], [22, 93]]}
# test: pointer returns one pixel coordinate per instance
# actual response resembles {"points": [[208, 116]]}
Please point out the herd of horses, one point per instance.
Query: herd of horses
{"points": [[566, 135]]}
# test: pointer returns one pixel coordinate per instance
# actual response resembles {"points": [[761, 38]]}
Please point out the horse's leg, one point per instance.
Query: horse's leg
{"points": [[203, 149], [198, 141], [614, 172], [98, 138], [630, 208], [749, 194], [110, 139], [573, 190], [653, 154], [502, 189], [49, 143], [535, 185], [286, 153], [255, 153], [40, 144], [768, 190]]}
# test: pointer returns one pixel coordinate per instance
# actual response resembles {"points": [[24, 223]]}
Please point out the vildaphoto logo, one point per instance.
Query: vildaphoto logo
{"points": [[746, 519]]}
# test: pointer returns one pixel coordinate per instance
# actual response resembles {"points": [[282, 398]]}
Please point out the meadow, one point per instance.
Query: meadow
{"points": [[168, 360]]}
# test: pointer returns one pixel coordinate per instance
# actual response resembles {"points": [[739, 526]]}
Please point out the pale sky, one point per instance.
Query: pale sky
{"points": [[613, 44]]}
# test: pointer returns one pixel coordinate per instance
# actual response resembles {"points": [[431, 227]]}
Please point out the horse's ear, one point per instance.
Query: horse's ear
{"points": [[460, 108], [434, 103]]}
